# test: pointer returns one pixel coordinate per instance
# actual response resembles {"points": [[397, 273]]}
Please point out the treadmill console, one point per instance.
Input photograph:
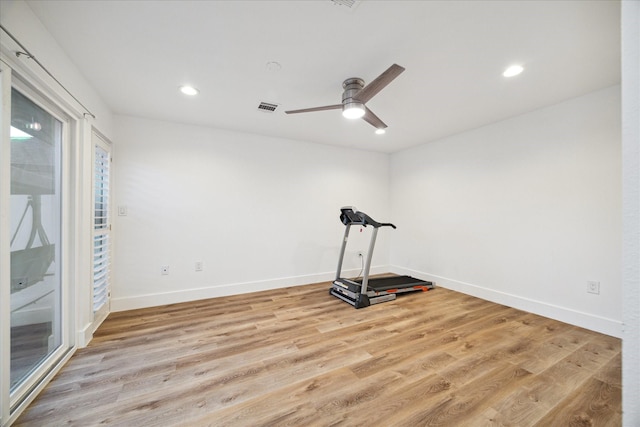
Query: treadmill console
{"points": [[349, 215]]}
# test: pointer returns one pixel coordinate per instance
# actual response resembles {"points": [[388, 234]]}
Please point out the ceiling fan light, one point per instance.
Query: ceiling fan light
{"points": [[34, 126], [189, 90], [513, 70], [353, 110]]}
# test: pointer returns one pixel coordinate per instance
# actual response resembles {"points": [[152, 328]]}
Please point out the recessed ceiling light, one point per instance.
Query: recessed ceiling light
{"points": [[513, 70], [189, 90], [380, 131]]}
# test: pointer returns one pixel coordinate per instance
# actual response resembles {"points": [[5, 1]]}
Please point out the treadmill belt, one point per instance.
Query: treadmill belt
{"points": [[394, 282]]}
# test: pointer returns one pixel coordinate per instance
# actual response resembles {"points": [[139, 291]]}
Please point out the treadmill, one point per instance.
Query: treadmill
{"points": [[367, 291]]}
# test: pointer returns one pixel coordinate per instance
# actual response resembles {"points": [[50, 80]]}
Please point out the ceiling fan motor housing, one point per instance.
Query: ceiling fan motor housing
{"points": [[351, 87]]}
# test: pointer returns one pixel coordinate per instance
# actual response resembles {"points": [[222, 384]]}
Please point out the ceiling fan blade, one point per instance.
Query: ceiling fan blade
{"points": [[375, 86], [309, 110], [372, 119]]}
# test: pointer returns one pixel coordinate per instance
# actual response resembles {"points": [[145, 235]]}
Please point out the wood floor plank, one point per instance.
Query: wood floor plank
{"points": [[297, 399], [595, 404], [610, 373], [411, 397], [544, 392], [300, 357], [542, 356]]}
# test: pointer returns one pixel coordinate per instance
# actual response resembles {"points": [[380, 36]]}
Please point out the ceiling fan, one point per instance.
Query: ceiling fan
{"points": [[356, 95]]}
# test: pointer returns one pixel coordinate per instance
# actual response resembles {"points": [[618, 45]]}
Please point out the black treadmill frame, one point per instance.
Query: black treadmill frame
{"points": [[369, 290]]}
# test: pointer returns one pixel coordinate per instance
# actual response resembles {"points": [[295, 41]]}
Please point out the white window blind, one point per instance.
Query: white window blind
{"points": [[101, 244], [101, 216], [100, 270]]}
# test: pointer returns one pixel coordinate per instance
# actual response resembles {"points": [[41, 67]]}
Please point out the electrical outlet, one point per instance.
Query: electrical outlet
{"points": [[198, 265], [164, 270], [593, 287]]}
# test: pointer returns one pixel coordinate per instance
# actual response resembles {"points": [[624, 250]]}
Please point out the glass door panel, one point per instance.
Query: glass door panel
{"points": [[35, 217]]}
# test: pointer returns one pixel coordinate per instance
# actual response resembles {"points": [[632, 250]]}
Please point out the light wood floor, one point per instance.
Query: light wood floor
{"points": [[299, 357]]}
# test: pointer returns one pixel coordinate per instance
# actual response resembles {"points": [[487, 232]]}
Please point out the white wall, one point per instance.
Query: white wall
{"points": [[259, 212], [523, 212], [631, 212], [23, 24]]}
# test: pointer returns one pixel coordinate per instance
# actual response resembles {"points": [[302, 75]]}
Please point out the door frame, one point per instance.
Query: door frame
{"points": [[16, 73]]}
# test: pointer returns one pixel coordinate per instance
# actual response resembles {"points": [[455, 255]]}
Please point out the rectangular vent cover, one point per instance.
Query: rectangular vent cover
{"points": [[348, 3], [267, 107]]}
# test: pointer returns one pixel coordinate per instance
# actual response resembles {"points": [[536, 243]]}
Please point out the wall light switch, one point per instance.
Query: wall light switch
{"points": [[122, 211]]}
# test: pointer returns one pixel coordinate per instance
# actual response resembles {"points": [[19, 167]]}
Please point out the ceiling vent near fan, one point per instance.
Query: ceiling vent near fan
{"points": [[267, 107], [351, 4]]}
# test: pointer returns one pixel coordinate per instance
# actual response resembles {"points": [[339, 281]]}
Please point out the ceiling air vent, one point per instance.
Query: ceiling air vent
{"points": [[349, 3], [267, 107]]}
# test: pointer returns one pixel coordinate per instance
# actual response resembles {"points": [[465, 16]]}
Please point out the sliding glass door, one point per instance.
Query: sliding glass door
{"points": [[38, 293]]}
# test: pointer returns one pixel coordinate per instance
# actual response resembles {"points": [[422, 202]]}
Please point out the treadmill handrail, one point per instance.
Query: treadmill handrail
{"points": [[350, 215]]}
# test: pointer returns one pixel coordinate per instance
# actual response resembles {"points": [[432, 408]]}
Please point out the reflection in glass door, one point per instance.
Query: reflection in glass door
{"points": [[35, 217]]}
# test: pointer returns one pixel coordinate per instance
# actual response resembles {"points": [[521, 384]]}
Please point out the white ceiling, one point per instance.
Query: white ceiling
{"points": [[137, 53]]}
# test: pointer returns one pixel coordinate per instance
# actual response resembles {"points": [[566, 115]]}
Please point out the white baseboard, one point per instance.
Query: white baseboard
{"points": [[185, 295], [84, 336], [584, 320]]}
